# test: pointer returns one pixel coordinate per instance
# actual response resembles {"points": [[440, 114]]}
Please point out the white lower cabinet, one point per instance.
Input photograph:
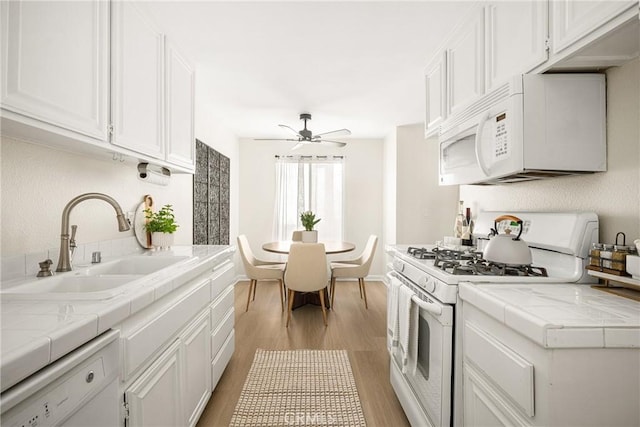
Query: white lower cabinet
{"points": [[222, 333], [175, 389], [197, 381], [510, 380], [156, 396], [175, 351], [483, 404]]}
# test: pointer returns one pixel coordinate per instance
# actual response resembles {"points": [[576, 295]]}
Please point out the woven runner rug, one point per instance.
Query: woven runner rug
{"points": [[299, 388]]}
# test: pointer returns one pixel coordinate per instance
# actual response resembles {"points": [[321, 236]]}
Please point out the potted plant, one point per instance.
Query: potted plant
{"points": [[309, 221], [161, 225]]}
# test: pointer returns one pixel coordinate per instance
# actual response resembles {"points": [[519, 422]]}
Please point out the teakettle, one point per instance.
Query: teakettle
{"points": [[506, 249]]}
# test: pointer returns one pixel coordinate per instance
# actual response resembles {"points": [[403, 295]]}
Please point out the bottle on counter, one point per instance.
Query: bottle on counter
{"points": [[467, 229], [460, 223]]}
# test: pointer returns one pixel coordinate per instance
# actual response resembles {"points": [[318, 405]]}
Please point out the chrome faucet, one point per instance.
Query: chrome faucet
{"points": [[64, 260]]}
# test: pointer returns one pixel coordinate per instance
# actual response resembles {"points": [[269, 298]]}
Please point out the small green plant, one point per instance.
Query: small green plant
{"points": [[308, 220], [162, 221]]}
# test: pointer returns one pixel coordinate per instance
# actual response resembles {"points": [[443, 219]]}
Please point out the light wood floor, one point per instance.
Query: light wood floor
{"points": [[351, 327]]}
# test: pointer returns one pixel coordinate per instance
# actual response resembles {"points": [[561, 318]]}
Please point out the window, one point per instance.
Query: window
{"points": [[312, 183]]}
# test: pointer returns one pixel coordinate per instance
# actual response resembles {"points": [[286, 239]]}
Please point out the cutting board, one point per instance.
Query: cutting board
{"points": [[140, 219]]}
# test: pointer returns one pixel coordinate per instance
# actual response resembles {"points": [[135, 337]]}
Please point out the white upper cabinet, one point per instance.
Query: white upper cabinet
{"points": [[501, 39], [465, 62], [455, 76], [137, 66], [436, 86], [575, 19], [516, 39], [94, 77], [55, 65], [180, 95], [593, 34]]}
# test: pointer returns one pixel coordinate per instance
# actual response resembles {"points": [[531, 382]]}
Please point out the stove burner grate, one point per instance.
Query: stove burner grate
{"points": [[420, 253], [487, 268], [471, 263]]}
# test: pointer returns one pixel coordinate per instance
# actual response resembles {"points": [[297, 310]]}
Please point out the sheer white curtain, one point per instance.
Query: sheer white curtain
{"points": [[312, 183]]}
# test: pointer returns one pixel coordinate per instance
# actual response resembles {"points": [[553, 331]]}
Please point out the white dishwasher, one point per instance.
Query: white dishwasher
{"points": [[79, 389]]}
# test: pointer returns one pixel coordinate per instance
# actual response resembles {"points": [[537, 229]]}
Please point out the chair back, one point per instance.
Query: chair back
{"points": [[369, 251], [306, 267], [296, 236], [248, 259]]}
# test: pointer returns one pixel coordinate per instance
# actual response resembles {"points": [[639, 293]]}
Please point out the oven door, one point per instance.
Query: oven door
{"points": [[426, 395]]}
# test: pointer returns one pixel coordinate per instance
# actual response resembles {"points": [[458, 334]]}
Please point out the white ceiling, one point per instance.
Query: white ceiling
{"points": [[351, 64]]}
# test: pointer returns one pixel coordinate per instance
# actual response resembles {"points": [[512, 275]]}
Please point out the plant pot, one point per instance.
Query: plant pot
{"points": [[310, 236], [161, 240]]}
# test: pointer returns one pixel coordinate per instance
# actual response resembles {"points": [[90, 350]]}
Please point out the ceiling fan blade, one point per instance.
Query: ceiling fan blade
{"points": [[337, 143], [290, 129], [274, 139], [298, 145], [334, 133]]}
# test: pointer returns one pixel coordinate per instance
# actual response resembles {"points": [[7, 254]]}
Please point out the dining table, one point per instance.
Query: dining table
{"points": [[330, 248]]}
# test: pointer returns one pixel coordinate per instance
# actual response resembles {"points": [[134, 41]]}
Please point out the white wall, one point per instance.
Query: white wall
{"points": [[363, 192], [209, 131], [614, 195], [37, 183], [389, 193], [425, 211]]}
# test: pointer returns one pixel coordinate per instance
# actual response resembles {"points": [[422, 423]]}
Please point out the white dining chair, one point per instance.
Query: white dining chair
{"points": [[306, 272], [257, 269], [358, 268]]}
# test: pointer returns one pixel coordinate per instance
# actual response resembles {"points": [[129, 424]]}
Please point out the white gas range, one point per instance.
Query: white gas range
{"points": [[431, 395]]}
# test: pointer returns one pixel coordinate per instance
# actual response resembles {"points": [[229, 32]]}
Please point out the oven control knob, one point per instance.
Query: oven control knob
{"points": [[429, 284]]}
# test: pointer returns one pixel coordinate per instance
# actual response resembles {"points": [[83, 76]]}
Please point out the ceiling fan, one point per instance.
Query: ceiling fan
{"points": [[305, 136]]}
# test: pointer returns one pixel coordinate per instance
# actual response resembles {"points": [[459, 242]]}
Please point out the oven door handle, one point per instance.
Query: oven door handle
{"points": [[431, 307]]}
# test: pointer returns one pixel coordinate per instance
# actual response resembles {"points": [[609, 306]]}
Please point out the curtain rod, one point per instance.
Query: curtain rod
{"points": [[302, 157]]}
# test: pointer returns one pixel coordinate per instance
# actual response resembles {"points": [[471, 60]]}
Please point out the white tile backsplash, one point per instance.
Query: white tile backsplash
{"points": [[13, 267]]}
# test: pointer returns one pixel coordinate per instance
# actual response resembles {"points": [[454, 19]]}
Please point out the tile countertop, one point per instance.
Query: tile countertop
{"points": [[35, 333], [560, 315]]}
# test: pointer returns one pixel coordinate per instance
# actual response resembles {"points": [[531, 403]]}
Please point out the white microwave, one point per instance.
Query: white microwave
{"points": [[534, 126]]}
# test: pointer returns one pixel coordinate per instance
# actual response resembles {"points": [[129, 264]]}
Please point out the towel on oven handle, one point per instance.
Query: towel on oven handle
{"points": [[408, 313], [392, 314]]}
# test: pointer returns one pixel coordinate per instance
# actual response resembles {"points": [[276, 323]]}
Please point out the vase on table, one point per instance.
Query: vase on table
{"points": [[310, 236]]}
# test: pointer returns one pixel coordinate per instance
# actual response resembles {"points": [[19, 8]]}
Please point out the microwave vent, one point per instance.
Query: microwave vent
{"points": [[482, 104], [532, 175]]}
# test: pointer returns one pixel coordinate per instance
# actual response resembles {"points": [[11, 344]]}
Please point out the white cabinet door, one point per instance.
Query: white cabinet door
{"points": [[156, 397], [55, 63], [572, 20], [436, 92], [484, 406], [197, 359], [179, 109], [516, 39], [137, 82], [465, 62]]}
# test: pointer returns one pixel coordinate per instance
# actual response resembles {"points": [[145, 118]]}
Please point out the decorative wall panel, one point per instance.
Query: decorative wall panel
{"points": [[210, 197]]}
